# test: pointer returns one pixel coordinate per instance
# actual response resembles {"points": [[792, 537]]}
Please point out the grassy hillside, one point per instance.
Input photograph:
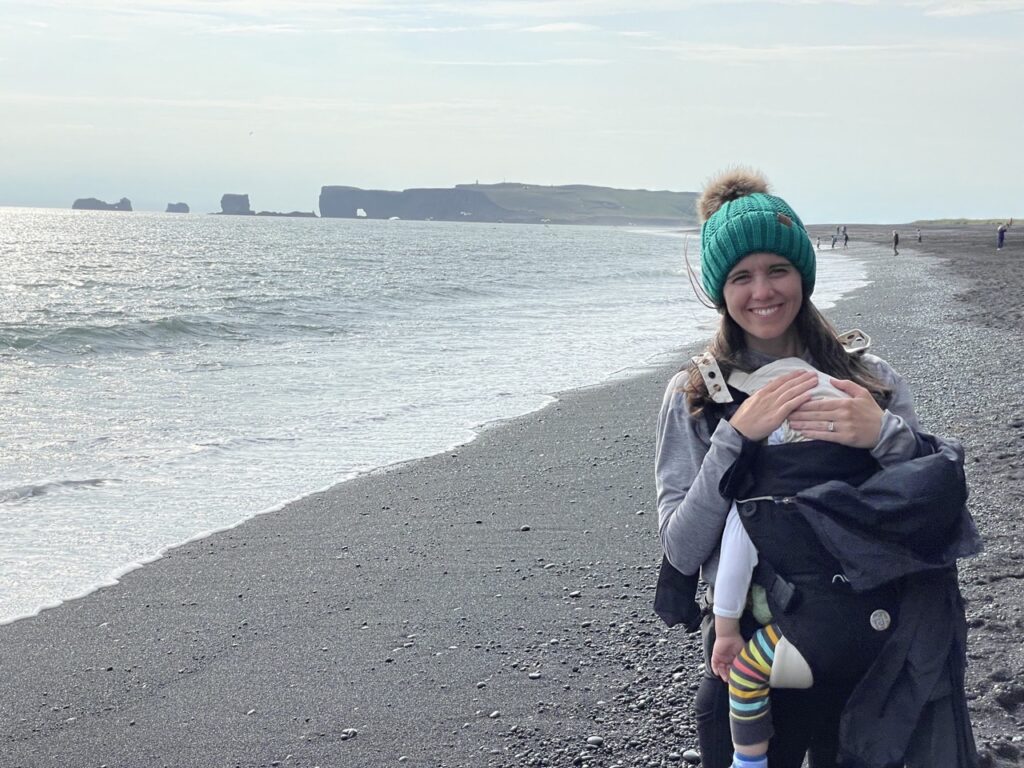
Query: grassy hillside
{"points": [[582, 204]]}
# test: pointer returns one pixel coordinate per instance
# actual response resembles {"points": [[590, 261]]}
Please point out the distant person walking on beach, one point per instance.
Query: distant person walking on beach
{"points": [[834, 241], [895, 243], [859, 651], [846, 238], [919, 234], [1001, 234], [819, 242]]}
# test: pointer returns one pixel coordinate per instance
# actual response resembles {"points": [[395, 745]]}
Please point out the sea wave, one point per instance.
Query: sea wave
{"points": [[143, 336], [20, 493], [237, 443], [132, 336]]}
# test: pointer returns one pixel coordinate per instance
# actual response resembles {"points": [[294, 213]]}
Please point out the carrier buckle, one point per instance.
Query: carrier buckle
{"points": [[713, 378], [854, 341], [783, 594]]}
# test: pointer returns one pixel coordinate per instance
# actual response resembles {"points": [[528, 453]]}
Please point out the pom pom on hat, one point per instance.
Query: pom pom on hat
{"points": [[739, 218], [727, 187]]}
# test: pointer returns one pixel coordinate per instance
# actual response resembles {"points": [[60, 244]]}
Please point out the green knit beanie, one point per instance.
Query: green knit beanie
{"points": [[741, 218]]}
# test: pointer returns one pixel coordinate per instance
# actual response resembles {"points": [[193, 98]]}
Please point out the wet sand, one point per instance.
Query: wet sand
{"points": [[491, 605]]}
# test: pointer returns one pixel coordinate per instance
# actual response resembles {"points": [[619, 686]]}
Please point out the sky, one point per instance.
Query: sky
{"points": [[856, 110]]}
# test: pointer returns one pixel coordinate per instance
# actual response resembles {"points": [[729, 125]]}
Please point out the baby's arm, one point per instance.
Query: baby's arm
{"points": [[735, 569]]}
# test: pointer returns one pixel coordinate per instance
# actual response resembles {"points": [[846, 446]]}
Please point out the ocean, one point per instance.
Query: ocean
{"points": [[166, 376]]}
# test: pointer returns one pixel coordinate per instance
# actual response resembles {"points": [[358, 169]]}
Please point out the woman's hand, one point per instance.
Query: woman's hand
{"points": [[856, 421], [765, 410]]}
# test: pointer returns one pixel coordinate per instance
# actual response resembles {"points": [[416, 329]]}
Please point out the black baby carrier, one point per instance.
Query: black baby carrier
{"points": [[806, 586]]}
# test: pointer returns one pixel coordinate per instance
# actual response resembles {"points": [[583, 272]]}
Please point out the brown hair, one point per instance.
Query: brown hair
{"points": [[820, 342]]}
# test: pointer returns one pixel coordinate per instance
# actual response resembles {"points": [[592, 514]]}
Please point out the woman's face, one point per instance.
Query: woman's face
{"points": [[763, 294]]}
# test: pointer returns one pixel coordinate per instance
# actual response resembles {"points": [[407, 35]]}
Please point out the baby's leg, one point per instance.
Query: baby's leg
{"points": [[767, 661]]}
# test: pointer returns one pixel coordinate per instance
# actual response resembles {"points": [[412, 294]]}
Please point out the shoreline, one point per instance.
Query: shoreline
{"points": [[113, 578], [668, 360], [185, 481], [411, 605]]}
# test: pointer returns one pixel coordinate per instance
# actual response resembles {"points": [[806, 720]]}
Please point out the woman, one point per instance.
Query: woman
{"points": [[758, 269]]}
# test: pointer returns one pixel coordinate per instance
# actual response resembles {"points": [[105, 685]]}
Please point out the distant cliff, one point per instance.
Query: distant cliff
{"points": [[584, 204], [235, 205], [437, 204], [92, 204], [513, 202], [177, 208]]}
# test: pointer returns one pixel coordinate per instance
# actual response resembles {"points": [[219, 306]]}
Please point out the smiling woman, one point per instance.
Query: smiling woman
{"points": [[742, 473]]}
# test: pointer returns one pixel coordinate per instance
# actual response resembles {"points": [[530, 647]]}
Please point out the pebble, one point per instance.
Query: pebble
{"points": [[494, 715], [595, 741], [524, 528], [692, 756]]}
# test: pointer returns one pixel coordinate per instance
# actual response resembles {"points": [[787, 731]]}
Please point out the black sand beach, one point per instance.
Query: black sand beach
{"points": [[492, 605]]}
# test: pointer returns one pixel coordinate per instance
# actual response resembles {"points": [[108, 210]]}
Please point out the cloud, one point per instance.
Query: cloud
{"points": [[314, 12], [382, 29], [257, 29], [565, 26], [289, 17], [484, 63], [579, 62], [737, 54], [282, 104], [280, 17], [507, 9], [549, 9], [973, 8]]}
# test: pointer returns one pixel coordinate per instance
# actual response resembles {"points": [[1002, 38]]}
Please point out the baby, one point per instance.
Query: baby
{"points": [[778, 663]]}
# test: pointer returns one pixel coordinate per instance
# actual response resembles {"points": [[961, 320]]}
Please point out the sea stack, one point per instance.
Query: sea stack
{"points": [[235, 205], [93, 204], [177, 208]]}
